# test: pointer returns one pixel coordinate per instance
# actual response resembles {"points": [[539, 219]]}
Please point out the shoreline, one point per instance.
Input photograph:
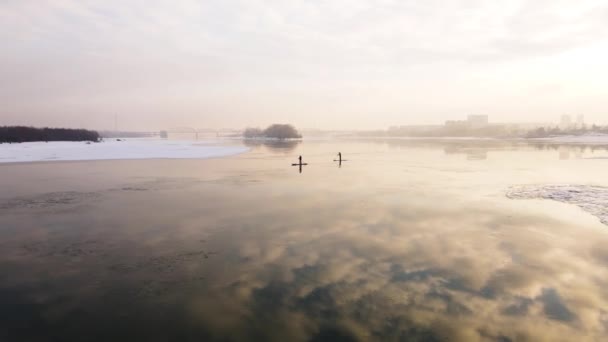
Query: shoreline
{"points": [[566, 139], [125, 149]]}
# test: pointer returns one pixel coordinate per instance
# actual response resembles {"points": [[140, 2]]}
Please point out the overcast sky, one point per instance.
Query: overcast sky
{"points": [[345, 64]]}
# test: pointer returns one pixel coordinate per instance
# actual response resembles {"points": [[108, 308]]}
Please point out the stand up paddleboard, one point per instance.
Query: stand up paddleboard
{"points": [[297, 164], [341, 160]]}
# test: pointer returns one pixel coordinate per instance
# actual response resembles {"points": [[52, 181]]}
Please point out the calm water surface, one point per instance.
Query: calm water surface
{"points": [[406, 241]]}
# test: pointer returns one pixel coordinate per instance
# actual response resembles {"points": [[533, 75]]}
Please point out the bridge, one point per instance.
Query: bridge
{"points": [[196, 132]]}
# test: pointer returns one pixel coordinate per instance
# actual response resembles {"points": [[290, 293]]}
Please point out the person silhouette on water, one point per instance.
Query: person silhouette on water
{"points": [[340, 156], [300, 159]]}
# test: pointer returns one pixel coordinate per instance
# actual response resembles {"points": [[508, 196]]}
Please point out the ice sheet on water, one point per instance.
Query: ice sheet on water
{"points": [[113, 149], [592, 199]]}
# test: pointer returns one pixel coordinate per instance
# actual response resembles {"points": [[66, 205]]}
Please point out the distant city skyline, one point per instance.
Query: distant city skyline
{"points": [[342, 65]]}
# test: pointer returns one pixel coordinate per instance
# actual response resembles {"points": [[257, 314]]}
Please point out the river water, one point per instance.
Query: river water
{"points": [[404, 241]]}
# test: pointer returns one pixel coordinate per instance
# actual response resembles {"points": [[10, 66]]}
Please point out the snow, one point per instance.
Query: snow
{"points": [[590, 198], [594, 138], [113, 149]]}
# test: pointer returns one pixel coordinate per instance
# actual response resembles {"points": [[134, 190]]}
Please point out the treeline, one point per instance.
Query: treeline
{"points": [[543, 132], [18, 134], [276, 131], [126, 134], [494, 131]]}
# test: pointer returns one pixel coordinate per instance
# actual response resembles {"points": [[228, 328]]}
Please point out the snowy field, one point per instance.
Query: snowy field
{"points": [[592, 199], [112, 149]]}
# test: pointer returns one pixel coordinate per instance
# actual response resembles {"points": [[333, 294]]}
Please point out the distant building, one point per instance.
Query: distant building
{"points": [[472, 121], [413, 129], [565, 122], [457, 124], [477, 121]]}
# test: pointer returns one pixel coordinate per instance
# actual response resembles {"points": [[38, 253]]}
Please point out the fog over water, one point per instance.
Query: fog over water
{"points": [[405, 241]]}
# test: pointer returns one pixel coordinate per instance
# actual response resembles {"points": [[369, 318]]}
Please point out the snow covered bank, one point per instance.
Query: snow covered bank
{"points": [[596, 138], [592, 199], [112, 149]]}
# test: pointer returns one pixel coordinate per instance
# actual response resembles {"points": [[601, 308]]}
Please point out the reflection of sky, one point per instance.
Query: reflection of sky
{"points": [[429, 250]]}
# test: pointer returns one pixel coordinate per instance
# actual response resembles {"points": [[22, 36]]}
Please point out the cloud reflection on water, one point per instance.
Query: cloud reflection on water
{"points": [[386, 274], [291, 259]]}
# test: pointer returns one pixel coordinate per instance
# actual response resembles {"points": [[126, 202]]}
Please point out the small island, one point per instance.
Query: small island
{"points": [[275, 131], [19, 134]]}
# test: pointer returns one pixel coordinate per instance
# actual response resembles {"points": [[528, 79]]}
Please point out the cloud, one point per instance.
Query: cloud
{"points": [[154, 58]]}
